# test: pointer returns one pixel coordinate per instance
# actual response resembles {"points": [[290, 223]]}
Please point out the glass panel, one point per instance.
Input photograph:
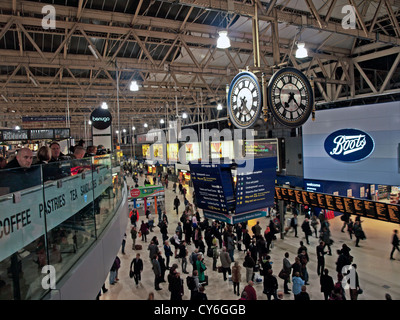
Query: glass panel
{"points": [[22, 229], [68, 206]]}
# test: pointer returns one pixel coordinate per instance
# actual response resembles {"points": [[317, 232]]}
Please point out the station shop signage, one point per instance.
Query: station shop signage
{"points": [[144, 192], [349, 145], [24, 221], [101, 118]]}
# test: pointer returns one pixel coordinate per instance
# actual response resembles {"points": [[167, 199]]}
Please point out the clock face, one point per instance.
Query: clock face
{"points": [[244, 100], [290, 97]]}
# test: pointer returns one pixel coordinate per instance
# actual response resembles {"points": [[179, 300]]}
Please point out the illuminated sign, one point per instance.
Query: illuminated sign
{"points": [[349, 145]]}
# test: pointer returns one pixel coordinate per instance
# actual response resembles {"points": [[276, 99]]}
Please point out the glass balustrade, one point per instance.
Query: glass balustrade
{"points": [[49, 216]]}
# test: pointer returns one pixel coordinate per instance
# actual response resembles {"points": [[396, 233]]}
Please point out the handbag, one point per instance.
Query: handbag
{"points": [[130, 274], [282, 274], [360, 291]]}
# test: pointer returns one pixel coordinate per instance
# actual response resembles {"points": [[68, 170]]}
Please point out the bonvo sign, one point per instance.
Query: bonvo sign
{"points": [[349, 145]]}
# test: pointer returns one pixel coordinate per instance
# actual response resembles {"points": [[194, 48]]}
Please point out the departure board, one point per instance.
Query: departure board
{"points": [[15, 135], [278, 193], [306, 198], [313, 199], [298, 196], [292, 197], [349, 205], [339, 204], [359, 207], [381, 211], [41, 134], [393, 212], [370, 209], [330, 203], [366, 208], [285, 195], [321, 200]]}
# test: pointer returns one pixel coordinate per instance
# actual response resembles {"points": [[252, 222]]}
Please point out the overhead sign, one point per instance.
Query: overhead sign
{"points": [[144, 192], [349, 145], [255, 186], [101, 118], [213, 186]]}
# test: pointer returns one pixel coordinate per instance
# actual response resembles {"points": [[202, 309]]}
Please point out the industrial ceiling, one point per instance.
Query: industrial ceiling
{"points": [[169, 48]]}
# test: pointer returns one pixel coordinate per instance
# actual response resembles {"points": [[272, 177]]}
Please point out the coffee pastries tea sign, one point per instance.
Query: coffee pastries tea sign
{"points": [[101, 118], [290, 97], [244, 100]]}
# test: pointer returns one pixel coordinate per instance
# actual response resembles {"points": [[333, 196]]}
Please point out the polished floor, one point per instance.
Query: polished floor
{"points": [[378, 275]]}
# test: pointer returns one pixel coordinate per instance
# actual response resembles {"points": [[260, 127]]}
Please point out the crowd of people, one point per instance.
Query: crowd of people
{"points": [[179, 258]]}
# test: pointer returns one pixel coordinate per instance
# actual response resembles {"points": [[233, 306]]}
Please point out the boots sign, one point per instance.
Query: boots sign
{"points": [[349, 145], [101, 118]]}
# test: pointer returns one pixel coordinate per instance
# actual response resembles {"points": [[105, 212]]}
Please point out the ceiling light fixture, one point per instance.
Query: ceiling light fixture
{"points": [[90, 122], [93, 51], [223, 40], [104, 105], [184, 115], [17, 128], [219, 107], [134, 86], [145, 125], [133, 128], [162, 121], [301, 51]]}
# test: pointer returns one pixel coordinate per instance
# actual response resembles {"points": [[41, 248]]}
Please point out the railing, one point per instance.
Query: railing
{"points": [[49, 216]]}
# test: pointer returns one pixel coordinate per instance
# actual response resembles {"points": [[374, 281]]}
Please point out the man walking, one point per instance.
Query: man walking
{"points": [[395, 243]]}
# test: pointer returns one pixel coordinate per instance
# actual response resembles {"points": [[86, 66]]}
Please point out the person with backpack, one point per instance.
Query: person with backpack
{"points": [[193, 284]]}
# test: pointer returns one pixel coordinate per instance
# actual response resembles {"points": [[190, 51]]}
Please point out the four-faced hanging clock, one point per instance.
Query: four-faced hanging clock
{"points": [[244, 100], [290, 97]]}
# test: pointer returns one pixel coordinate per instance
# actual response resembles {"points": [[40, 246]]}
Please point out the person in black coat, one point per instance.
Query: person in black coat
{"points": [[327, 284], [306, 229], [137, 264], [270, 285], [395, 244]]}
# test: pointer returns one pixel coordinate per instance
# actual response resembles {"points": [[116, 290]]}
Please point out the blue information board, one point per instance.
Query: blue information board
{"points": [[255, 187], [213, 186]]}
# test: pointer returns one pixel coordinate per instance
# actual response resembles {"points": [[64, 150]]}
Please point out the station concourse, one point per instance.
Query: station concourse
{"points": [[378, 275]]}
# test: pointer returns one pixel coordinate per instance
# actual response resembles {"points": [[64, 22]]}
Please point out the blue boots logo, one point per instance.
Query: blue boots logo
{"points": [[349, 145]]}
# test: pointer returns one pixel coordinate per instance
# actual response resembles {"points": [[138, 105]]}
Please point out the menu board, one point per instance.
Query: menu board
{"points": [[393, 212], [359, 207], [321, 200], [330, 203], [210, 188], [381, 211], [255, 184], [370, 210], [349, 205], [298, 196], [339, 203]]}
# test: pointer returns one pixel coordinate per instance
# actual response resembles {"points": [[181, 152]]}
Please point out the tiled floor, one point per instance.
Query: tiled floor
{"points": [[377, 274]]}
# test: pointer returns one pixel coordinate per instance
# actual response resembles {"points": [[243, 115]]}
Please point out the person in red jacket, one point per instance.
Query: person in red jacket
{"points": [[251, 292]]}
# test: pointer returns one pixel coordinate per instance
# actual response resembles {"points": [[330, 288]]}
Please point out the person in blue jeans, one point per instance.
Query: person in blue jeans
{"points": [[297, 284]]}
